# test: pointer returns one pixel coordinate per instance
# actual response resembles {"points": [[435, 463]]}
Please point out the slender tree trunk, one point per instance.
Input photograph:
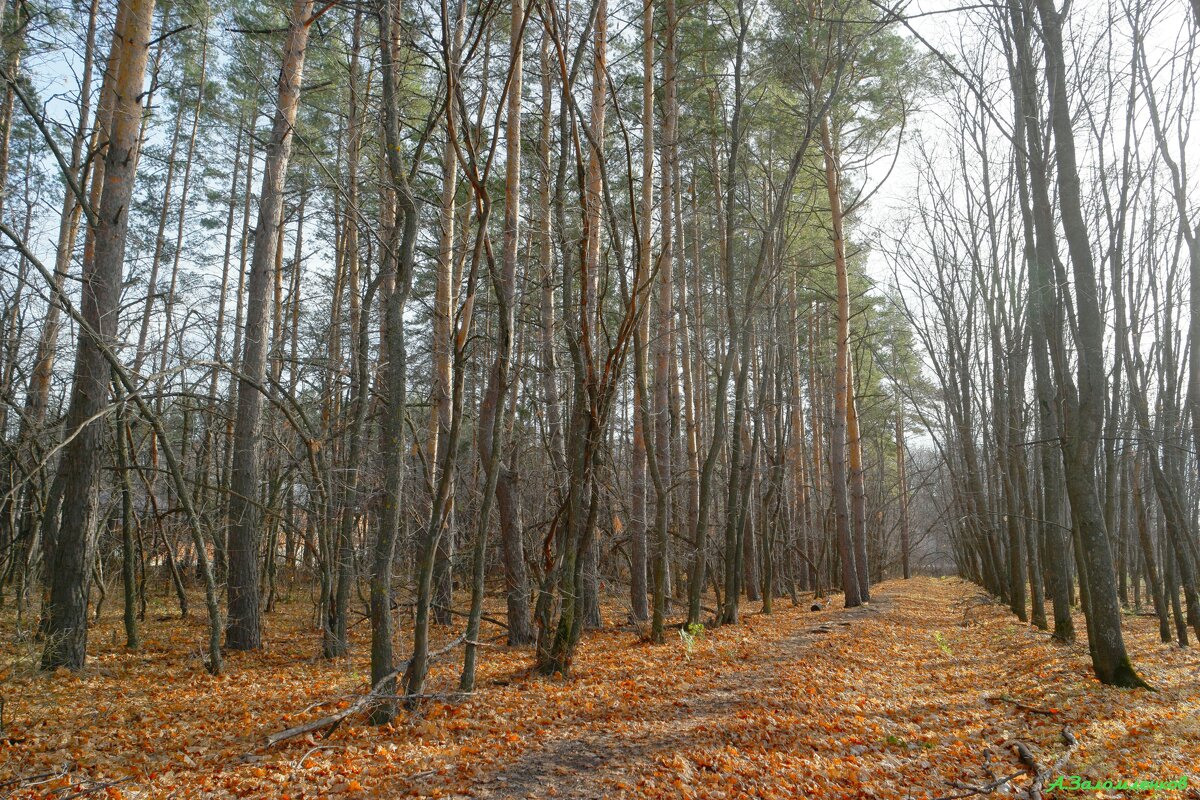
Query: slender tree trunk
{"points": [[841, 405], [445, 291], [688, 356], [398, 261], [902, 490], [664, 366], [1044, 324], [491, 413], [336, 642], [1110, 660], [128, 554], [160, 241], [244, 627], [589, 587], [520, 626], [641, 425], [32, 501], [1147, 544], [858, 491], [739, 335], [14, 45], [796, 452]]}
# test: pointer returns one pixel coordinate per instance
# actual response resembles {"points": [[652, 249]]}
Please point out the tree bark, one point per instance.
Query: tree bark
{"points": [[641, 425], [858, 489], [490, 440], [244, 626], [842, 399], [664, 366], [398, 262], [73, 554], [1110, 660]]}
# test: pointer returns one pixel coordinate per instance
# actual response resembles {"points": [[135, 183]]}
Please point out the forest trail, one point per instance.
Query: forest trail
{"points": [[899, 699], [617, 753]]}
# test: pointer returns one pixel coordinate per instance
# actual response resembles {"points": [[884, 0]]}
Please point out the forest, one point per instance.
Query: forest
{"points": [[567, 398]]}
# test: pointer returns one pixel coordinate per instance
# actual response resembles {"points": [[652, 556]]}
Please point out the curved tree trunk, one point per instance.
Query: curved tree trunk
{"points": [[1110, 660], [398, 263]]}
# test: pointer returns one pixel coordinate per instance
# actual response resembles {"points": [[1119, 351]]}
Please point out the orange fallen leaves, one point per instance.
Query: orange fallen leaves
{"points": [[765, 709]]}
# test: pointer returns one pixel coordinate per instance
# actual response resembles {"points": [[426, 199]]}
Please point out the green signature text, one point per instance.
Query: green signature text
{"points": [[1076, 783]]}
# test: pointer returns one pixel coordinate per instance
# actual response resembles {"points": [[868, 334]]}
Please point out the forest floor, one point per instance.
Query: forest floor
{"points": [[922, 694]]}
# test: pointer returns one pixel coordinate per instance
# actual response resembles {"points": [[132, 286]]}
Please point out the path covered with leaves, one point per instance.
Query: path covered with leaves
{"points": [[928, 692]]}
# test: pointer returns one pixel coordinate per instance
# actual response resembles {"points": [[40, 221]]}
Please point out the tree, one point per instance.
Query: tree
{"points": [[397, 263], [73, 551], [1084, 396], [244, 626]]}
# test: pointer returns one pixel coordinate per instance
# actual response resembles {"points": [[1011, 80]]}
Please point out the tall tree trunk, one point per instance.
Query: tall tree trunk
{"points": [[641, 425], [128, 554], [841, 404], [244, 627], [70, 570], [1110, 660], [589, 587], [336, 642], [31, 502], [796, 451], [398, 261], [858, 490], [445, 291], [491, 413], [1044, 322], [520, 624], [739, 335], [1147, 545], [664, 365], [14, 45], [688, 357], [902, 490]]}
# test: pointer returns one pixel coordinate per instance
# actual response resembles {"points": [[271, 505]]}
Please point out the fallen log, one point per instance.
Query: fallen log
{"points": [[362, 703]]}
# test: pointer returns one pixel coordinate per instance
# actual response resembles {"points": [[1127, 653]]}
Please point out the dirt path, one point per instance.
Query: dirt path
{"points": [[588, 763], [922, 694]]}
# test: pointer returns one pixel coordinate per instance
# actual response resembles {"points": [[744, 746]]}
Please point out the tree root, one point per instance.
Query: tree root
{"points": [[1041, 773]]}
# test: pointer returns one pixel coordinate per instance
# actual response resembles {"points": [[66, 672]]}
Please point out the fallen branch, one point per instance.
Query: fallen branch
{"points": [[475, 643], [364, 702], [1028, 761], [1026, 756], [1040, 772], [317, 749], [1023, 706], [986, 788], [31, 780], [97, 787], [329, 702], [1044, 773]]}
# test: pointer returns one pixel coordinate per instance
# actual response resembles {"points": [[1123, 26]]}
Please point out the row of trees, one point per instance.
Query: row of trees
{"points": [[1055, 278]]}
